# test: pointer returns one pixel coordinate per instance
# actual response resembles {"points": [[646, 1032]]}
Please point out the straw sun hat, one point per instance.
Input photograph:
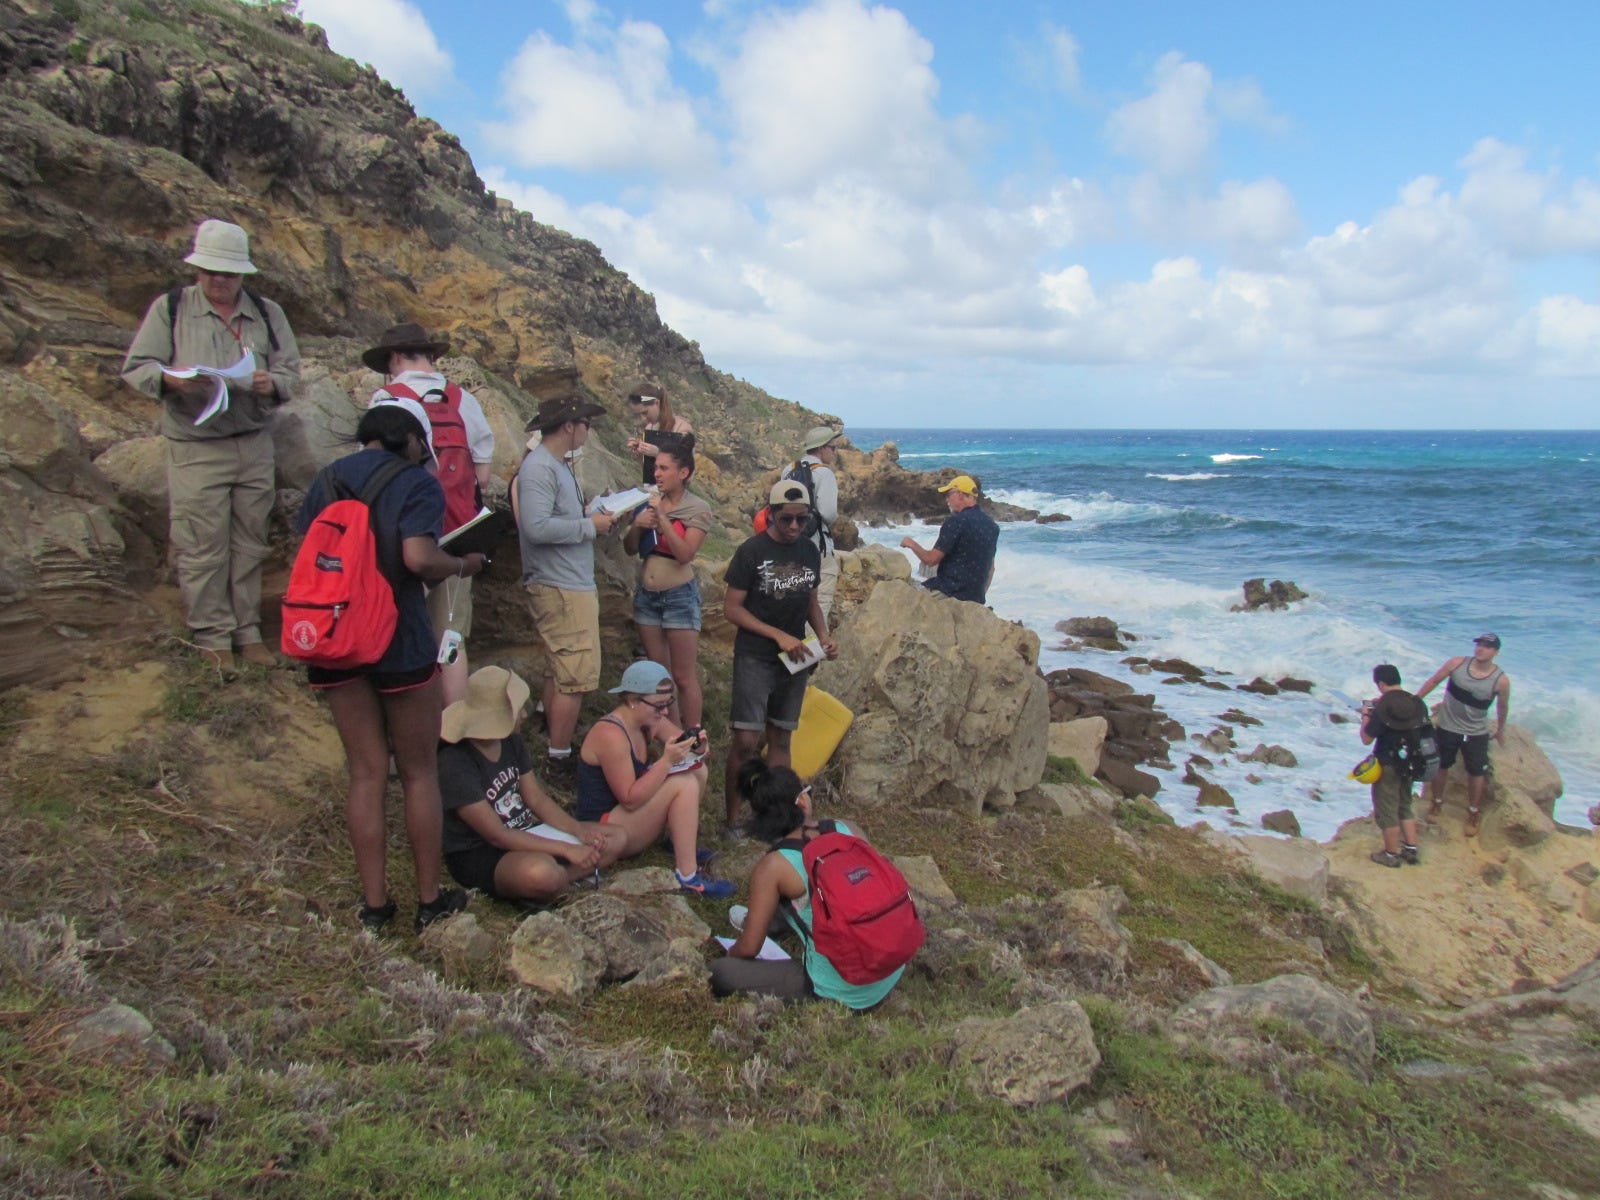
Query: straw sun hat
{"points": [[494, 698]]}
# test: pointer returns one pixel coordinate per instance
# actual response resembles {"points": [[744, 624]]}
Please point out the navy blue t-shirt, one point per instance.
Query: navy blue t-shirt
{"points": [[411, 506], [968, 539]]}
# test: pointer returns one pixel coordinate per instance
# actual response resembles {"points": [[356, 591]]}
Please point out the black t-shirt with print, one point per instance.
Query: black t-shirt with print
{"points": [[778, 581], [466, 777]]}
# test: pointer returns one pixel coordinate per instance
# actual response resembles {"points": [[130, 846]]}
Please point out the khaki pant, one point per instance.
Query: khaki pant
{"points": [[221, 494], [827, 584]]}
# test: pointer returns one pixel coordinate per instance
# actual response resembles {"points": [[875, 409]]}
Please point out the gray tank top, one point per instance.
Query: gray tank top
{"points": [[1465, 709]]}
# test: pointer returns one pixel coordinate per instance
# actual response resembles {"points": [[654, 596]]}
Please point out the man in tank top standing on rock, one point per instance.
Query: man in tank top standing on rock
{"points": [[1475, 682]]}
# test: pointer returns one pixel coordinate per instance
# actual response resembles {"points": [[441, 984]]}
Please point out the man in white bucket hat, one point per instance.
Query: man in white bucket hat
{"points": [[220, 475]]}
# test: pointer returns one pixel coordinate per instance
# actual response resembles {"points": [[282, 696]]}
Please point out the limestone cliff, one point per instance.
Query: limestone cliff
{"points": [[122, 125]]}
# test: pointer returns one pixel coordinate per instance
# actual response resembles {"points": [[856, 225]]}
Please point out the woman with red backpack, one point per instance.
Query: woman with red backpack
{"points": [[392, 705], [853, 956]]}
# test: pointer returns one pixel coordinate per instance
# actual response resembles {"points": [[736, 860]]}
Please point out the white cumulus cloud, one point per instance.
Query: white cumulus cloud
{"points": [[391, 35]]}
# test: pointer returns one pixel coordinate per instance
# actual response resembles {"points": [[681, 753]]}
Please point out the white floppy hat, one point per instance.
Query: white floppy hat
{"points": [[221, 247], [820, 437], [489, 711]]}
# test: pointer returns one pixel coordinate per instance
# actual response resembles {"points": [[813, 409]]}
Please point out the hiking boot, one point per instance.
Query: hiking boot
{"points": [[698, 885], [1384, 859], [1435, 809], [1409, 855], [449, 900], [375, 919], [1470, 829], [257, 655]]}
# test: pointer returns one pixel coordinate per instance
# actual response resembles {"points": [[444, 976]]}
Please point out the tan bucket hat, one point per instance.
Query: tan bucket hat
{"points": [[223, 248], [494, 697]]}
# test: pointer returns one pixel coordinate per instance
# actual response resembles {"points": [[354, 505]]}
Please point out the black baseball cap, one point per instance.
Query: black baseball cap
{"points": [[1487, 639]]}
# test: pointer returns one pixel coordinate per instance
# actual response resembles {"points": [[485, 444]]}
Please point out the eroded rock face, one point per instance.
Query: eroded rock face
{"points": [[548, 953], [1298, 865], [1032, 1057], [1227, 1018], [949, 706], [630, 938], [64, 553]]}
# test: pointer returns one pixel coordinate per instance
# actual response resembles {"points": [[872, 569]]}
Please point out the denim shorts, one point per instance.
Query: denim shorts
{"points": [[675, 608], [764, 693]]}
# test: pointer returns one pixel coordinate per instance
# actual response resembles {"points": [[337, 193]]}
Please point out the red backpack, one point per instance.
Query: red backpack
{"points": [[863, 920], [339, 610], [456, 473]]}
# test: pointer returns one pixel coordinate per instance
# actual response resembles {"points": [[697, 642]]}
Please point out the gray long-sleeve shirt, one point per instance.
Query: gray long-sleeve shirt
{"points": [[556, 539], [199, 337]]}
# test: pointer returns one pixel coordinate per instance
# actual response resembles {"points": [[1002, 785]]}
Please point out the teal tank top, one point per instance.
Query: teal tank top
{"points": [[825, 981]]}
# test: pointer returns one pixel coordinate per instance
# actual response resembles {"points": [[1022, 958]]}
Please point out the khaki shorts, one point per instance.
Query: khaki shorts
{"points": [[450, 606], [568, 623]]}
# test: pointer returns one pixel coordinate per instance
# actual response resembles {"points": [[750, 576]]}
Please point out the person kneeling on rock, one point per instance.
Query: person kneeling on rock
{"points": [[1383, 724], [503, 835]]}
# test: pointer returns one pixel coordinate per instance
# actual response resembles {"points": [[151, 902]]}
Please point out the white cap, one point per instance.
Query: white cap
{"points": [[414, 407]]}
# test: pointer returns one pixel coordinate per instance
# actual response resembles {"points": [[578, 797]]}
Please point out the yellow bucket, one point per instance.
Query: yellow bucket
{"points": [[823, 723]]}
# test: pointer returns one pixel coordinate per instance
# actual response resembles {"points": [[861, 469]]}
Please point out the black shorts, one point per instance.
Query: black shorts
{"points": [[1474, 750], [475, 868], [386, 683], [765, 693]]}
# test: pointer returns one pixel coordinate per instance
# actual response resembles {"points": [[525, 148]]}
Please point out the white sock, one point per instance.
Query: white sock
{"points": [[567, 753]]}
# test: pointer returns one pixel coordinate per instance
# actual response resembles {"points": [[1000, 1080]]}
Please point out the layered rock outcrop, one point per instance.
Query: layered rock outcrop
{"points": [[949, 705]]}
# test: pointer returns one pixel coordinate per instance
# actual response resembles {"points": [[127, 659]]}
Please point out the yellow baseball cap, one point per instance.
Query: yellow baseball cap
{"points": [[962, 483]]}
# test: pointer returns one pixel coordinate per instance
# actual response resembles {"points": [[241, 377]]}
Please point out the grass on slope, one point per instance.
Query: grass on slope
{"points": [[314, 1060]]}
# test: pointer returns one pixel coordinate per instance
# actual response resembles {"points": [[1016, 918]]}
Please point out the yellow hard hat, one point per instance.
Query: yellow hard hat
{"points": [[1368, 770]]}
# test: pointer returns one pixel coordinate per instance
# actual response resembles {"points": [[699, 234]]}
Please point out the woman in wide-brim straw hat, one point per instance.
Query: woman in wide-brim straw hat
{"points": [[620, 787], [503, 835]]}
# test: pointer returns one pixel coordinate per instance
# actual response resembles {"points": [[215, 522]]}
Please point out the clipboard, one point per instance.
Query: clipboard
{"points": [[479, 535]]}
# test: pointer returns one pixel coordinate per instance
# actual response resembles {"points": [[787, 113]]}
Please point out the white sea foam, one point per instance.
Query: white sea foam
{"points": [[1228, 458], [1100, 507], [951, 454], [1184, 478]]}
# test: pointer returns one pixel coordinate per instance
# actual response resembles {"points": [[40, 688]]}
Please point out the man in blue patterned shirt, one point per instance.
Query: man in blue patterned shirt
{"points": [[964, 552]]}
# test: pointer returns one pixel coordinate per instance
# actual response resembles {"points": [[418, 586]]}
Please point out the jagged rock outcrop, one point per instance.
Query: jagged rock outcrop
{"points": [[1259, 594], [1228, 1019], [939, 688]]}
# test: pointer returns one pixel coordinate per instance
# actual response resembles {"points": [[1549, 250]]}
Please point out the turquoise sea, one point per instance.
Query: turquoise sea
{"points": [[1409, 543]]}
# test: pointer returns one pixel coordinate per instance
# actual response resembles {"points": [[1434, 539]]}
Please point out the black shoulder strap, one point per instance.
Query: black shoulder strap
{"points": [[382, 478], [173, 297], [266, 317], [827, 825]]}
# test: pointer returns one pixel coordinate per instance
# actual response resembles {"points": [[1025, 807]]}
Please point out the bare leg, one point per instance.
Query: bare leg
{"points": [[358, 715], [676, 808], [453, 679], [561, 711], [740, 748], [778, 746], [531, 875], [413, 719], [684, 645], [657, 650]]}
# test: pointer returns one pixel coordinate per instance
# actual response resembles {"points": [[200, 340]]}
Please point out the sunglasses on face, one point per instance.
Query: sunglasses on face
{"points": [[660, 706], [789, 519]]}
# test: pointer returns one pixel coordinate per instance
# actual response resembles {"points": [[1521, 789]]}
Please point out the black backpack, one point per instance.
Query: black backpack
{"points": [[800, 472], [1418, 753]]}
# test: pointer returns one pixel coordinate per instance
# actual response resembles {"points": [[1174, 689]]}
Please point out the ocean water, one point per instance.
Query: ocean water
{"points": [[1409, 543]]}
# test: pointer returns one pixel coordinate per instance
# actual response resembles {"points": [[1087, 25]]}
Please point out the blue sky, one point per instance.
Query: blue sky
{"points": [[1158, 214]]}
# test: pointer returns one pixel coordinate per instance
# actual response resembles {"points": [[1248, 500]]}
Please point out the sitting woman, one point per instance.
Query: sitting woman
{"points": [[619, 789], [780, 805], [667, 534], [502, 834]]}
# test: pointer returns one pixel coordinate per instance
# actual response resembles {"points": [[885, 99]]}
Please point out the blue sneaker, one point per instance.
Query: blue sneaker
{"points": [[698, 885]]}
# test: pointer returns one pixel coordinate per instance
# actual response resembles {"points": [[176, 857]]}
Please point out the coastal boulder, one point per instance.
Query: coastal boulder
{"points": [[1080, 741], [551, 955], [1228, 1019], [949, 705], [1259, 594], [1034, 1056], [1297, 865]]}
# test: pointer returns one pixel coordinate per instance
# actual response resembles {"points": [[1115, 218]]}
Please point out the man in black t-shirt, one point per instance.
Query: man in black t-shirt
{"points": [[772, 593]]}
